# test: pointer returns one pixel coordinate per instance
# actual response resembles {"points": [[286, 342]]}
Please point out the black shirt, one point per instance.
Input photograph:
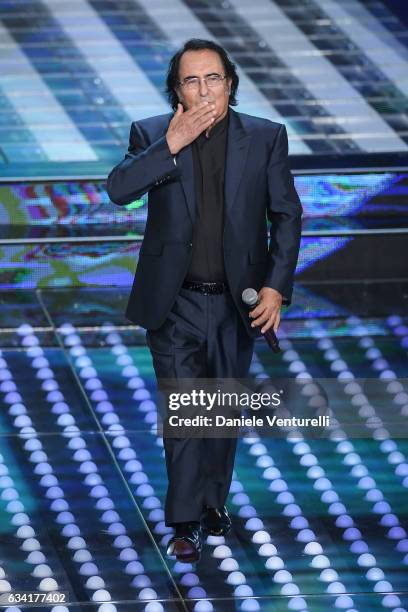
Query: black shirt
{"points": [[207, 263]]}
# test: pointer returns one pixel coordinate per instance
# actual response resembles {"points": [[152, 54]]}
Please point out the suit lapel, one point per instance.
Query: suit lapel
{"points": [[187, 178], [237, 151]]}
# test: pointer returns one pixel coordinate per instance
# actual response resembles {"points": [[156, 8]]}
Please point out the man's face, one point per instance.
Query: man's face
{"points": [[202, 64]]}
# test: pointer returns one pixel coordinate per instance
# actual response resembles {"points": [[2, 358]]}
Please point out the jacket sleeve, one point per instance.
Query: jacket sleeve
{"points": [[284, 212], [143, 167]]}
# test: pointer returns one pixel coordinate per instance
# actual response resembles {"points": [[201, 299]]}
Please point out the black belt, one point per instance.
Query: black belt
{"points": [[205, 288]]}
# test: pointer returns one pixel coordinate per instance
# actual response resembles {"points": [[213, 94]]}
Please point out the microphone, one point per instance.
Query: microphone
{"points": [[251, 299]]}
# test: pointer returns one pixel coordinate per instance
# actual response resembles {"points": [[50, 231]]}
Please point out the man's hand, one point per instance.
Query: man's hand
{"points": [[267, 313], [185, 126]]}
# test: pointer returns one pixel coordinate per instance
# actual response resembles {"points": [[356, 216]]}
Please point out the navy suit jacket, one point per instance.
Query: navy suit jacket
{"points": [[258, 185]]}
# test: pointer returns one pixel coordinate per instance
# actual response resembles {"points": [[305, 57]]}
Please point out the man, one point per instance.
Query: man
{"points": [[213, 176]]}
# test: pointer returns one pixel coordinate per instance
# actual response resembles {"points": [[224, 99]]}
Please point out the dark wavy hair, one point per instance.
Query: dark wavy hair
{"points": [[199, 44]]}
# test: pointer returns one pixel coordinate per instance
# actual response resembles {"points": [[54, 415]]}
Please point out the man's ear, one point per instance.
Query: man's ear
{"points": [[180, 98]]}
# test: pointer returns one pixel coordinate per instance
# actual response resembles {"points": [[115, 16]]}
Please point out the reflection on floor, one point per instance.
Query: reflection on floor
{"points": [[319, 522]]}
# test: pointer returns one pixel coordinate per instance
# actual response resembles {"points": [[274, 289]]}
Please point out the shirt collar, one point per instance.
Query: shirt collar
{"points": [[218, 128]]}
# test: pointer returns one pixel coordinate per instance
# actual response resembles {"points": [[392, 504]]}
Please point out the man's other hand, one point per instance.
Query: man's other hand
{"points": [[267, 312], [185, 126]]}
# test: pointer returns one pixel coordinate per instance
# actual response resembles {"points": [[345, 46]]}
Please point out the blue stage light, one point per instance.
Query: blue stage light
{"points": [[274, 563], [101, 595], [82, 556]]}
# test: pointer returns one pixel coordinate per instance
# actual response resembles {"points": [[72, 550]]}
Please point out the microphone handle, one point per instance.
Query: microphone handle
{"points": [[272, 340]]}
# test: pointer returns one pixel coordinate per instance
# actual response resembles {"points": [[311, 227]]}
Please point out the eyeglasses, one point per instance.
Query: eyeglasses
{"points": [[212, 80]]}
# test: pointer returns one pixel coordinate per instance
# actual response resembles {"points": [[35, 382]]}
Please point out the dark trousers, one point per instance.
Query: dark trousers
{"points": [[203, 337]]}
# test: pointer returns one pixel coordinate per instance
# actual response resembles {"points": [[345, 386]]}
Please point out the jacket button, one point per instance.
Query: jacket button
{"points": [[190, 244]]}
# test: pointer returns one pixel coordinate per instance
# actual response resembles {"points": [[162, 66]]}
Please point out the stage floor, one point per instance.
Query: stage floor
{"points": [[319, 521]]}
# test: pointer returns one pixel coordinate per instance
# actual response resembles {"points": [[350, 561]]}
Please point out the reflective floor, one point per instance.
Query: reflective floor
{"points": [[318, 523]]}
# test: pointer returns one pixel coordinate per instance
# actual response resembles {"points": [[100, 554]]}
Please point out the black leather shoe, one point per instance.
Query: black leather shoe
{"points": [[187, 542], [215, 521]]}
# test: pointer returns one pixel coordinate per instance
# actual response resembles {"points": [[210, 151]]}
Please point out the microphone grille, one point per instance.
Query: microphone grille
{"points": [[249, 297]]}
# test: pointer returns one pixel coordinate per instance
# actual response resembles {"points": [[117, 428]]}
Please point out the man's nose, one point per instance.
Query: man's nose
{"points": [[203, 87]]}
